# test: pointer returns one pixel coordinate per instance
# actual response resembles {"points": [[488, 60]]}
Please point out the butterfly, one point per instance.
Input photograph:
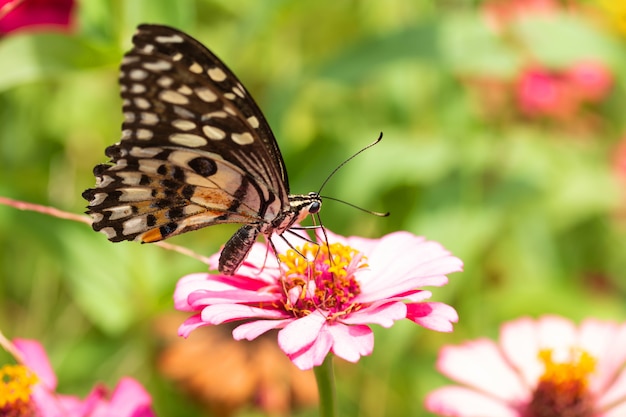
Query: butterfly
{"points": [[195, 151]]}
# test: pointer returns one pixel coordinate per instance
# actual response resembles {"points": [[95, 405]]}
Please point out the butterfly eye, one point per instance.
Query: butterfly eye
{"points": [[315, 207]]}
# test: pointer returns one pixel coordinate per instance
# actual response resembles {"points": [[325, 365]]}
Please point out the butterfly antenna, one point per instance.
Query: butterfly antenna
{"points": [[348, 160], [375, 213]]}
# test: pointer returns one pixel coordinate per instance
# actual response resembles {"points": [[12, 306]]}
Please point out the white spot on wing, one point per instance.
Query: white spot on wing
{"points": [[130, 178], [98, 198], [148, 118], [144, 134], [138, 74], [173, 97], [144, 152], [119, 212], [165, 81], [127, 134], [183, 112], [195, 68], [135, 194], [242, 138], [160, 65], [183, 124], [188, 139], [219, 113], [216, 74], [129, 59], [239, 91], [109, 232], [184, 89], [135, 225], [141, 102], [170, 39], [129, 117], [230, 96], [120, 164], [205, 94], [147, 48], [96, 217], [103, 181], [213, 132], [254, 122], [138, 88]]}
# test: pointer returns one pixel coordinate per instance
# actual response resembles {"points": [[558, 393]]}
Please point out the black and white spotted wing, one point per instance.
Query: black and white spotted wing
{"points": [[195, 151]]}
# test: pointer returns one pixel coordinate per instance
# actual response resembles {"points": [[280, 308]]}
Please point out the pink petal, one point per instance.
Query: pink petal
{"points": [[50, 404], [556, 333], [522, 339], [461, 402], [518, 340], [479, 364], [301, 333], [606, 341], [41, 13], [313, 354], [402, 262], [198, 299], [619, 410], [129, 399], [351, 342], [222, 313], [384, 315], [255, 328], [616, 392], [194, 282], [191, 324], [434, 316], [36, 359]]}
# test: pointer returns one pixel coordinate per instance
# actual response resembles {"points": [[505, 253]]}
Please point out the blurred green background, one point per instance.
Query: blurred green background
{"points": [[491, 146]]}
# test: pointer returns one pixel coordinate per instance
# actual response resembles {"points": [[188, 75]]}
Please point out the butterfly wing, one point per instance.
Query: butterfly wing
{"points": [[195, 148]]}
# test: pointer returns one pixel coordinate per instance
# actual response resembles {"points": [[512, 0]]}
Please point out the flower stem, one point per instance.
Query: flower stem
{"points": [[326, 386]]}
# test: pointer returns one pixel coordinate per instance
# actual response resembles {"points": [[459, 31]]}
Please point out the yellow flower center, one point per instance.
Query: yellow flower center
{"points": [[562, 390], [321, 277], [16, 382]]}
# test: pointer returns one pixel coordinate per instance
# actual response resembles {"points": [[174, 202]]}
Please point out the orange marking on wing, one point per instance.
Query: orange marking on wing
{"points": [[212, 198], [153, 235]]}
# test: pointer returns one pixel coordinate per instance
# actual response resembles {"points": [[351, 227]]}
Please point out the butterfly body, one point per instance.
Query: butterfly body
{"points": [[195, 151]]}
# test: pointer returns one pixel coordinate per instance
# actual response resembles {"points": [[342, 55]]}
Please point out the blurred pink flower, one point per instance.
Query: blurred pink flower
{"points": [[544, 93], [128, 399], [41, 14], [620, 160], [591, 80], [499, 14], [323, 305], [544, 367]]}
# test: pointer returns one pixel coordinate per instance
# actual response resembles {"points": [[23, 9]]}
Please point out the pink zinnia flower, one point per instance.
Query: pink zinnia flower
{"points": [[29, 389], [324, 303], [544, 367], [42, 14]]}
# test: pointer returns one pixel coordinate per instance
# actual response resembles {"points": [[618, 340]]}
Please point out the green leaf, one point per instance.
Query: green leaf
{"points": [[373, 53], [32, 57], [561, 40], [471, 48]]}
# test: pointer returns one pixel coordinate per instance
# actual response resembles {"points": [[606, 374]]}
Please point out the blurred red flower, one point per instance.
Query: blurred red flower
{"points": [[40, 14]]}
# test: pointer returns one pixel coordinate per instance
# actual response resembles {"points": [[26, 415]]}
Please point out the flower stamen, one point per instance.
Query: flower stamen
{"points": [[16, 382], [324, 278], [563, 388]]}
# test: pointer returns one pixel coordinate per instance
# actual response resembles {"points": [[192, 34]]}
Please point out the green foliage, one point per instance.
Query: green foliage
{"points": [[530, 204]]}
